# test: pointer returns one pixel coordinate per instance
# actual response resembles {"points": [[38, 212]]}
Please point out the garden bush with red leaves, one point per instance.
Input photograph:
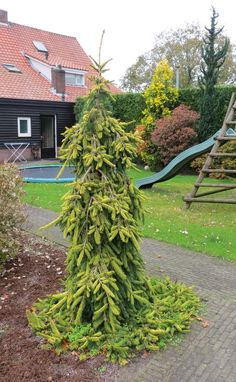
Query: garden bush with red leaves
{"points": [[174, 134]]}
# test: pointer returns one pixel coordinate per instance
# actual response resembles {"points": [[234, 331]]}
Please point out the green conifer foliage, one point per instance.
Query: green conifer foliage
{"points": [[107, 304], [213, 58]]}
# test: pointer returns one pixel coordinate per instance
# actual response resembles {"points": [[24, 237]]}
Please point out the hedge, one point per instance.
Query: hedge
{"points": [[191, 97], [128, 107]]}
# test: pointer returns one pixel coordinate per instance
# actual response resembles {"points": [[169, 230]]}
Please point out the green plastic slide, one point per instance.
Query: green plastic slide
{"points": [[179, 161]]}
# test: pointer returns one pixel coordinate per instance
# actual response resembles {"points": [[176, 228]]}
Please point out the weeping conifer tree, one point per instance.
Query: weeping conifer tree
{"points": [[213, 58], [107, 304]]}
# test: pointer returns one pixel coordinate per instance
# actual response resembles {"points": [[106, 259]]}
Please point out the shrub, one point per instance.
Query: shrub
{"points": [[192, 98], [11, 210], [212, 58], [198, 163], [8, 247], [141, 144], [79, 106], [147, 153], [108, 305], [127, 107], [160, 97], [224, 163], [173, 134]]}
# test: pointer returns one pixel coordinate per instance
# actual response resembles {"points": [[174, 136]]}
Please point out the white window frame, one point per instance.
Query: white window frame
{"points": [[82, 79], [12, 68], [28, 119], [76, 73], [39, 45]]}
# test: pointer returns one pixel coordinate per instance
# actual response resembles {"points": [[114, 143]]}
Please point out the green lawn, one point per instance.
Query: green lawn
{"points": [[207, 228]]}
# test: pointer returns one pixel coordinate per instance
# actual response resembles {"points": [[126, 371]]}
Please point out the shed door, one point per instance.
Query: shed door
{"points": [[47, 136]]}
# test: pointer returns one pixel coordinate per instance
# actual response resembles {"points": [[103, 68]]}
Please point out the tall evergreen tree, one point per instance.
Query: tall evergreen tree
{"points": [[213, 58], [182, 48], [107, 304]]}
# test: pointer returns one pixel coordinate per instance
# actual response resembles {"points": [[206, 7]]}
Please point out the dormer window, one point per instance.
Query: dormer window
{"points": [[74, 79], [11, 68], [40, 47]]}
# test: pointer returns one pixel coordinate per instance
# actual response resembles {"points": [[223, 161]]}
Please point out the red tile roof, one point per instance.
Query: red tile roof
{"points": [[16, 42]]}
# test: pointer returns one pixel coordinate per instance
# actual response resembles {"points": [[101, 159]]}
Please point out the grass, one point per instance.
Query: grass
{"points": [[206, 228]]}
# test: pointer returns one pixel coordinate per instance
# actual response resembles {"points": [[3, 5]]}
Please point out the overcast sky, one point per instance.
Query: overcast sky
{"points": [[130, 25]]}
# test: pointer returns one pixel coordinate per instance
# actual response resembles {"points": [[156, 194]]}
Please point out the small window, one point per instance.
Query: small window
{"points": [[11, 68], [74, 79], [24, 127], [40, 46]]}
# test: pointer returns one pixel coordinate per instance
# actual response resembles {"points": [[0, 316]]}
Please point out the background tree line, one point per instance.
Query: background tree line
{"points": [[182, 48]]}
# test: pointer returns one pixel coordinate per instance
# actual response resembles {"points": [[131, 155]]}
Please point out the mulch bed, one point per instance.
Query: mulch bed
{"points": [[36, 272]]}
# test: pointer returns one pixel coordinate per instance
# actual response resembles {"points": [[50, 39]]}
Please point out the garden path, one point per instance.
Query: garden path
{"points": [[208, 352]]}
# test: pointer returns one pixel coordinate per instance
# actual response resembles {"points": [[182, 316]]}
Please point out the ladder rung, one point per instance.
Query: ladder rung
{"points": [[233, 138], [208, 200], [233, 155], [220, 185], [220, 171], [227, 134]]}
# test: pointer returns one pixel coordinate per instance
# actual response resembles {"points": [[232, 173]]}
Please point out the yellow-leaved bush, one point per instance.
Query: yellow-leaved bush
{"points": [[160, 97]]}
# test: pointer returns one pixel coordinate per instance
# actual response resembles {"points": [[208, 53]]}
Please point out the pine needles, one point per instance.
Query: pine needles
{"points": [[108, 304]]}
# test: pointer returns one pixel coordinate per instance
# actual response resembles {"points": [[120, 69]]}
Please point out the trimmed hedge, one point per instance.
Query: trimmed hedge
{"points": [[78, 108], [128, 107], [191, 97]]}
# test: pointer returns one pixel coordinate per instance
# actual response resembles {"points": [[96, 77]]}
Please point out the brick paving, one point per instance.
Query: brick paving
{"points": [[203, 355]]}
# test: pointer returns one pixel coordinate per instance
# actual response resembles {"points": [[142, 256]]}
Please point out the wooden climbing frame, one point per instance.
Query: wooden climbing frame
{"points": [[227, 133]]}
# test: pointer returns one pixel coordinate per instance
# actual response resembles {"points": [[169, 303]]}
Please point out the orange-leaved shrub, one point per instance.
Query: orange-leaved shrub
{"points": [[146, 151], [175, 133], [139, 133]]}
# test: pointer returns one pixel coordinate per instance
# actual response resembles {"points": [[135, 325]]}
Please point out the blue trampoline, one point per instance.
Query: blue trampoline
{"points": [[46, 174]]}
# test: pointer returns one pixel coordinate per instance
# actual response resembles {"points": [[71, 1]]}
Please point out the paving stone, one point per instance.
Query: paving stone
{"points": [[205, 354]]}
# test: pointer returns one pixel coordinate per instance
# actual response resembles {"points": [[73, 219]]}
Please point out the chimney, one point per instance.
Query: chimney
{"points": [[3, 17], [58, 81]]}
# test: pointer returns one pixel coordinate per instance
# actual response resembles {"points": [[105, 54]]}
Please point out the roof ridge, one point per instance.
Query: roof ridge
{"points": [[49, 62], [17, 48], [43, 30]]}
